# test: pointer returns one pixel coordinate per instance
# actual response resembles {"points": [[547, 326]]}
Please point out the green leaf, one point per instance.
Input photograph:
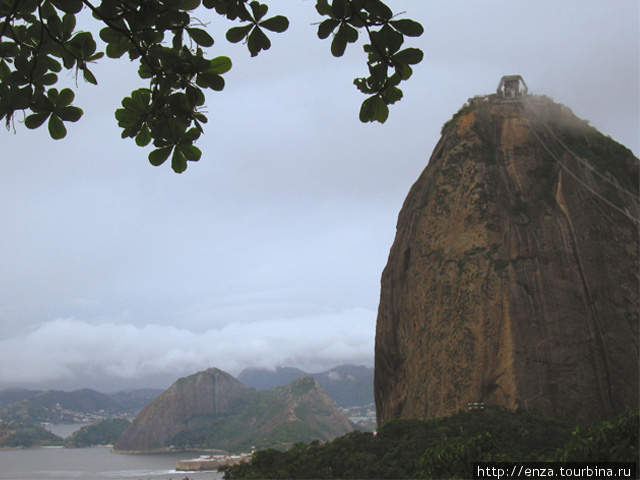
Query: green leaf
{"points": [[201, 37], [126, 118], [95, 56], [178, 161], [158, 156], [403, 70], [57, 129], [35, 120], [351, 33], [195, 96], [69, 114], [144, 136], [339, 8], [47, 79], [141, 98], [68, 25], [276, 24], [220, 65], [210, 80], [191, 135], [323, 7], [54, 26], [188, 4], [378, 9], [392, 95], [409, 56], [64, 98], [410, 28], [68, 59], [374, 109], [363, 86], [109, 35], [5, 71], [327, 27], [200, 117], [89, 76], [68, 6], [52, 64], [258, 41], [387, 39], [259, 10], [9, 49], [236, 34], [53, 93], [339, 42], [191, 152]]}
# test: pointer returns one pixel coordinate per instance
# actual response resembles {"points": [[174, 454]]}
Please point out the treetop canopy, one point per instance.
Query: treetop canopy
{"points": [[39, 37]]}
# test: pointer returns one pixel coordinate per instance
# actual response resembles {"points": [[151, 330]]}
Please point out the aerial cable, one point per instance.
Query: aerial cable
{"points": [[559, 162], [581, 160]]}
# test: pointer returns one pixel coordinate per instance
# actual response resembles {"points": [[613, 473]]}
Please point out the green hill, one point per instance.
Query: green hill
{"points": [[212, 410], [55, 406], [105, 432], [277, 418], [27, 436]]}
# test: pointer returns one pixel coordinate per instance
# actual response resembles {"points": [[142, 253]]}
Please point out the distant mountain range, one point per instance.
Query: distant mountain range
{"points": [[213, 410], [347, 385], [80, 406]]}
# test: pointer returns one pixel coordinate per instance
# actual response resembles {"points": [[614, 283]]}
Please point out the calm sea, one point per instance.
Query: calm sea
{"points": [[96, 463]]}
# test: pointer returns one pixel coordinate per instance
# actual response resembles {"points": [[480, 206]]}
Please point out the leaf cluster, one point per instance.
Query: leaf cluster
{"points": [[388, 64], [615, 440], [40, 37]]}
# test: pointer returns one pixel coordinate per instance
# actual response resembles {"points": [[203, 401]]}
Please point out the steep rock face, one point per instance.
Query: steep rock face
{"points": [[513, 277], [210, 392]]}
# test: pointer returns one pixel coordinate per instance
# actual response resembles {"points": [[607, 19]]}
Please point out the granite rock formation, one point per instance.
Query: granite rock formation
{"points": [[514, 277], [211, 391]]}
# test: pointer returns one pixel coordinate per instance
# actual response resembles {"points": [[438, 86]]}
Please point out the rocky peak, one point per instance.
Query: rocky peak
{"points": [[513, 277], [209, 392]]}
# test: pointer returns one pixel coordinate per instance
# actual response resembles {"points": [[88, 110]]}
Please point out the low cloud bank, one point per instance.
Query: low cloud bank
{"points": [[62, 350]]}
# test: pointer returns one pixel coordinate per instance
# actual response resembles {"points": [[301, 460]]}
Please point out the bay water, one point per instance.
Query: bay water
{"points": [[94, 463]]}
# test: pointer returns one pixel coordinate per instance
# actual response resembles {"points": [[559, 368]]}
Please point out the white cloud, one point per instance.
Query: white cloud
{"points": [[292, 210], [64, 349]]}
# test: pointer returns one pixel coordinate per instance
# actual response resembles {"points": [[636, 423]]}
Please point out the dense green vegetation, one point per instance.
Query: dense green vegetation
{"points": [[26, 436], [612, 441], [447, 447], [105, 432]]}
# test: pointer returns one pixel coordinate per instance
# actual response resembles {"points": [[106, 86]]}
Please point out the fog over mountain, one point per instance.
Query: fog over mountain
{"points": [[269, 251]]}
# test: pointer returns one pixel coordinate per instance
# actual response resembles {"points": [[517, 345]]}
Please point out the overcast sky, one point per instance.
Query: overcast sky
{"points": [[268, 251]]}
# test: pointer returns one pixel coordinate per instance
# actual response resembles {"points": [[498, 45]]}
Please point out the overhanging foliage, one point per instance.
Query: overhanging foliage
{"points": [[39, 37]]}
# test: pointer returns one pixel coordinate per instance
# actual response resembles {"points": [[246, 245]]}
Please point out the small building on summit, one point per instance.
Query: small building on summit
{"points": [[509, 87]]}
